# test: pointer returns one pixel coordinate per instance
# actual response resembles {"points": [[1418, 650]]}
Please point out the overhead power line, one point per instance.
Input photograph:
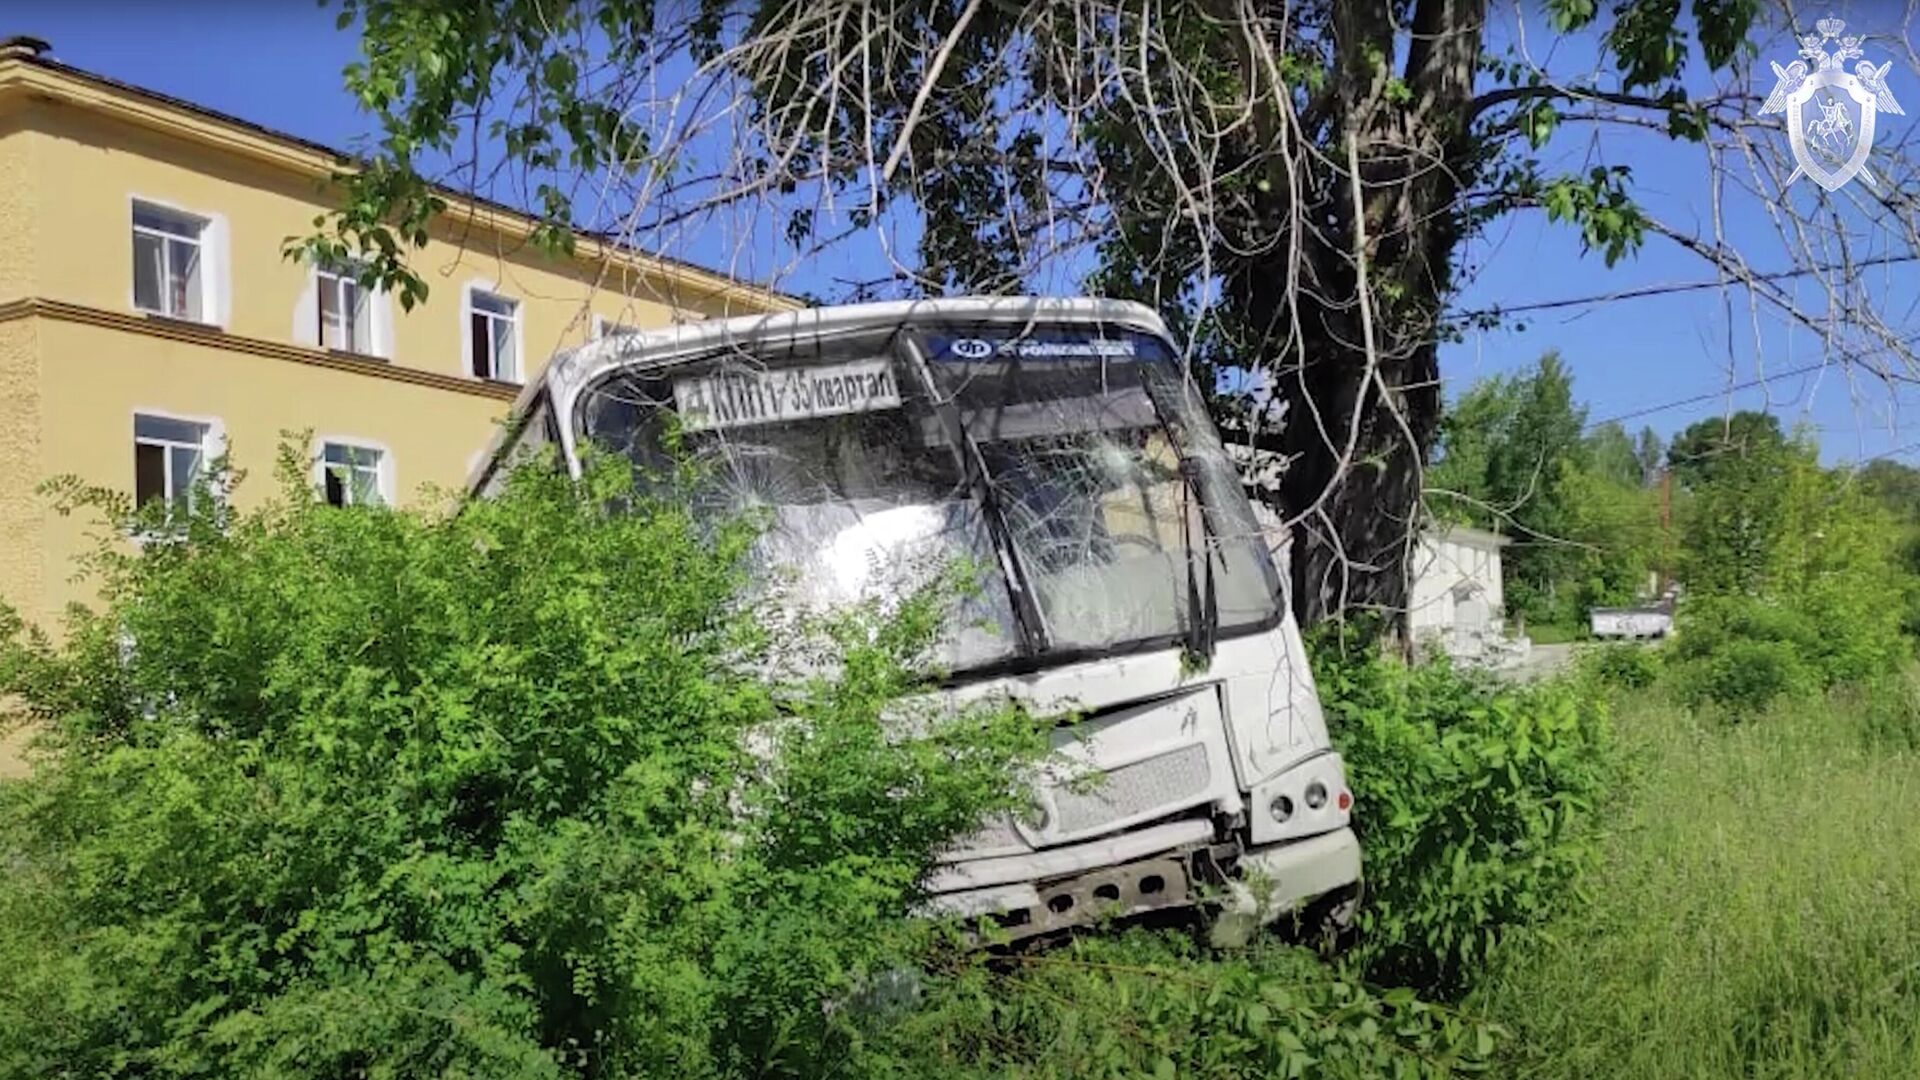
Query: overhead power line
{"points": [[1642, 292], [1909, 447], [1709, 395]]}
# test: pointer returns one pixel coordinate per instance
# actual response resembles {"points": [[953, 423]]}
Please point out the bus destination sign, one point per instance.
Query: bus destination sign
{"points": [[1035, 348], [738, 398]]}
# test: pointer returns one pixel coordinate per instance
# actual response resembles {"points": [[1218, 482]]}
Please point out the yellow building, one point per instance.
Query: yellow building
{"points": [[148, 318]]}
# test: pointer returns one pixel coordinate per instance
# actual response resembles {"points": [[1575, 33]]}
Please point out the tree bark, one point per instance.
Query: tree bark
{"points": [[1358, 424]]}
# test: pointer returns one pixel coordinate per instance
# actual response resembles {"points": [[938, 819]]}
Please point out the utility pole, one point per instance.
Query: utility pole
{"points": [[1666, 529]]}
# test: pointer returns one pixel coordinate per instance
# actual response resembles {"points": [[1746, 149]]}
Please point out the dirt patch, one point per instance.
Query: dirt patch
{"points": [[13, 753]]}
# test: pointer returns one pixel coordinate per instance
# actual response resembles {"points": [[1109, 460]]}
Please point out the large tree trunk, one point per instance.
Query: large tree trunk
{"points": [[1363, 403], [1357, 502]]}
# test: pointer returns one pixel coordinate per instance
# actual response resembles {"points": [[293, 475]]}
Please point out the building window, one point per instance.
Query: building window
{"points": [[492, 344], [168, 266], [350, 475], [169, 455], [346, 313]]}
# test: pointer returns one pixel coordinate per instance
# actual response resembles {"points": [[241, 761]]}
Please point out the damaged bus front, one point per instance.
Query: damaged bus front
{"points": [[1058, 446]]}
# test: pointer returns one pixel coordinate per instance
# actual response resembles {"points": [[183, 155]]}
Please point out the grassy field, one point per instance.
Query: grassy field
{"points": [[1757, 913], [1552, 634]]}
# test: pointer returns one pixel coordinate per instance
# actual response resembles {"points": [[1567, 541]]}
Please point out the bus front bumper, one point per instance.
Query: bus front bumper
{"points": [[1279, 879], [1269, 881]]}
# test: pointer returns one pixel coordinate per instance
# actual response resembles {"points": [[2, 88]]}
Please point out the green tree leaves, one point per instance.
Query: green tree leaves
{"points": [[1796, 577], [1513, 456], [1734, 473], [361, 791], [1600, 206], [1709, 450], [442, 77]]}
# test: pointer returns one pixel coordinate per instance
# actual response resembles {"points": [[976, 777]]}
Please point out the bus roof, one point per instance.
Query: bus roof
{"points": [[572, 369]]}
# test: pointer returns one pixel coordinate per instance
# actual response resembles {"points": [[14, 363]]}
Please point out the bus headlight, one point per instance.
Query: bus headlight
{"points": [[1307, 799]]}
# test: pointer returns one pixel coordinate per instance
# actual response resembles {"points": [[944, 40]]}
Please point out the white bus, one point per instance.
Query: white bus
{"points": [[1058, 446]]}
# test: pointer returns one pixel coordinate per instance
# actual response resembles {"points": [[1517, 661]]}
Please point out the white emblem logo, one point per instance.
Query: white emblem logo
{"points": [[1830, 112], [968, 348]]}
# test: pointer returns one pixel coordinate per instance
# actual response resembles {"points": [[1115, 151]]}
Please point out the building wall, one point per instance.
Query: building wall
{"points": [[77, 360], [98, 377], [90, 169], [19, 193], [1441, 564], [23, 512]]}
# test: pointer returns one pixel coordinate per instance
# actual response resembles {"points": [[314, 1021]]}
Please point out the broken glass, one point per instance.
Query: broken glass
{"points": [[1073, 473], [855, 506]]}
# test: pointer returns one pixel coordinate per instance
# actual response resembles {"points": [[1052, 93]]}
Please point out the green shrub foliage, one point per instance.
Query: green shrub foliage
{"points": [[1885, 710], [1150, 1005], [1739, 653], [1472, 801], [371, 793], [1796, 583], [1620, 665]]}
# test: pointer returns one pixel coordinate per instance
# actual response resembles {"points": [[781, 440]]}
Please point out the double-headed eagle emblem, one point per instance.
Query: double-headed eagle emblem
{"points": [[1830, 111]]}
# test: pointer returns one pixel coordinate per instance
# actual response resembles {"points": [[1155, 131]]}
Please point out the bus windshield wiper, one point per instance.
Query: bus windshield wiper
{"points": [[1203, 606], [1019, 580], [1203, 625]]}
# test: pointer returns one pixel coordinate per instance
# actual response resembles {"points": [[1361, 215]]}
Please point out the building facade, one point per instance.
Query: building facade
{"points": [[1457, 601], [149, 320]]}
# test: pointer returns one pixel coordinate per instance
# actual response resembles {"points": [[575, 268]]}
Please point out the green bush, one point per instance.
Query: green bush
{"points": [[1741, 653], [1144, 1004], [1745, 677], [1620, 665], [1472, 801], [1797, 584], [369, 793]]}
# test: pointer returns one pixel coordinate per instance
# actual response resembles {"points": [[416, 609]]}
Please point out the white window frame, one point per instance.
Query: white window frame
{"points": [[305, 328], [211, 240], [386, 478], [334, 278], [213, 443], [467, 312]]}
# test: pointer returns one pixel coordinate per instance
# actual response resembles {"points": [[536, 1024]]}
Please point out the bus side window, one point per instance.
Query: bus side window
{"points": [[539, 433], [536, 434]]}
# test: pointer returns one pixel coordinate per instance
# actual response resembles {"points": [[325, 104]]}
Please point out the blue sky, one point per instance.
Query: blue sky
{"points": [[278, 64]]}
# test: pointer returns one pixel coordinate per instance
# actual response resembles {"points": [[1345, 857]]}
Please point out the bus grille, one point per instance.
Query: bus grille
{"points": [[1166, 779]]}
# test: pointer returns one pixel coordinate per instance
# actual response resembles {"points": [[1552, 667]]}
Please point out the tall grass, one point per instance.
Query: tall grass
{"points": [[1756, 912]]}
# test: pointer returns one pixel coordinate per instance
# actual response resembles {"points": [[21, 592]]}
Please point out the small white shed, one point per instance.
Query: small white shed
{"points": [[1456, 598]]}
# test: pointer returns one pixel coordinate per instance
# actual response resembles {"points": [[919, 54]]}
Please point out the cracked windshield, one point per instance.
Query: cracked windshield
{"points": [[1072, 474]]}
